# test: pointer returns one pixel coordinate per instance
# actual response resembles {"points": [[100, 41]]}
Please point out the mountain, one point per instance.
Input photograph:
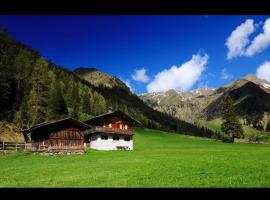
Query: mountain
{"points": [[183, 105], [97, 78], [250, 94], [262, 83], [34, 90], [120, 97], [250, 97]]}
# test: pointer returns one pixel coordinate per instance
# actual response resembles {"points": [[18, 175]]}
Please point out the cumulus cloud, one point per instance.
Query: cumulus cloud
{"points": [[261, 41], [238, 43], [239, 39], [225, 75], [140, 76], [263, 71], [180, 78]]}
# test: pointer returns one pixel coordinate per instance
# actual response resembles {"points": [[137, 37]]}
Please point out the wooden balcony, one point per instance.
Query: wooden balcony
{"points": [[111, 130]]}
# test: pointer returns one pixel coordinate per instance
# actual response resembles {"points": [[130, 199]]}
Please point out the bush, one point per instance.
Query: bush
{"points": [[226, 138], [253, 138], [215, 137]]}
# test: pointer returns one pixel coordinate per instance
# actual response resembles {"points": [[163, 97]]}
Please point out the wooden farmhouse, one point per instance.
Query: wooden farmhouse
{"points": [[66, 135], [111, 131]]}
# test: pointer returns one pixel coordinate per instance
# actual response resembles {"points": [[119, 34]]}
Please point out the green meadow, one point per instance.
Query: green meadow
{"points": [[159, 159]]}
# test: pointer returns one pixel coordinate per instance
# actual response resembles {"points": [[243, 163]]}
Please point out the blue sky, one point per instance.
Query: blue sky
{"points": [[119, 45]]}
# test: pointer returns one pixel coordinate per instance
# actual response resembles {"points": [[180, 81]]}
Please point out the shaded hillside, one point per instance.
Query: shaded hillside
{"points": [[122, 99], [249, 99], [35, 90]]}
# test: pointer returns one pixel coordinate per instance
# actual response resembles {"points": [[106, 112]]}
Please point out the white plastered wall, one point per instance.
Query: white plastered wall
{"points": [[109, 144]]}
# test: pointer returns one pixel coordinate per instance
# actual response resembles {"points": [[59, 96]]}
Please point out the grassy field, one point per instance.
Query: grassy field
{"points": [[159, 160]]}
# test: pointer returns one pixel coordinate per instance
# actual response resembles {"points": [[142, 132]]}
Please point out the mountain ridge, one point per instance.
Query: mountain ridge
{"points": [[97, 77], [252, 96]]}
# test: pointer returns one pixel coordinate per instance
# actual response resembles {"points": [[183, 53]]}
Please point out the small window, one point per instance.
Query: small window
{"points": [[127, 138], [115, 137], [104, 137]]}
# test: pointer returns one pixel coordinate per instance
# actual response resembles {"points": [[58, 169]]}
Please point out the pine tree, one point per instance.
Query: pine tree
{"points": [[24, 115], [7, 72], [75, 103], [102, 104], [38, 97], [57, 103], [95, 103], [69, 94], [86, 103], [230, 125]]}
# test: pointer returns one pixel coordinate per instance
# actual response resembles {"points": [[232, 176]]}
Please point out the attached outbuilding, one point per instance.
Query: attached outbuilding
{"points": [[66, 135], [111, 131]]}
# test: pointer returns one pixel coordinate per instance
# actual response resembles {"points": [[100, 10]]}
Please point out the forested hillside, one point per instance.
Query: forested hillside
{"points": [[34, 90]]}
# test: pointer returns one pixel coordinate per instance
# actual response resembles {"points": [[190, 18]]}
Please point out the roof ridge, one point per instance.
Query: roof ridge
{"points": [[108, 113], [60, 120]]}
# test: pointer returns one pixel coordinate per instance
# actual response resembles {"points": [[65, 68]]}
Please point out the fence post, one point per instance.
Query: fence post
{"points": [[25, 146], [16, 146], [3, 145]]}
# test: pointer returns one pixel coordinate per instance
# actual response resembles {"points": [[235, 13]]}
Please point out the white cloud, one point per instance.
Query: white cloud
{"points": [[127, 82], [180, 78], [140, 76], [239, 38], [263, 71], [225, 75], [261, 41]]}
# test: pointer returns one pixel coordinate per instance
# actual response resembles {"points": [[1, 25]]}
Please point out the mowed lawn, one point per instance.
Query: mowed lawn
{"points": [[159, 160]]}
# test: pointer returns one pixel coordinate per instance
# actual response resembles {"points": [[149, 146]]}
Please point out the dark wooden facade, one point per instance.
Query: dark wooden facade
{"points": [[61, 136], [70, 135]]}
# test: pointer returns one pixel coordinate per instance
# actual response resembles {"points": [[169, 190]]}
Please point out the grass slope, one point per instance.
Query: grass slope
{"points": [[159, 160], [215, 125]]}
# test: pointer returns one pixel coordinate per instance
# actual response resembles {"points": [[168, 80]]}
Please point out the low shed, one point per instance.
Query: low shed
{"points": [[66, 135]]}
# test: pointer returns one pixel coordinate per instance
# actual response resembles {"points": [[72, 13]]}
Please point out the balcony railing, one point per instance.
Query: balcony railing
{"points": [[111, 130]]}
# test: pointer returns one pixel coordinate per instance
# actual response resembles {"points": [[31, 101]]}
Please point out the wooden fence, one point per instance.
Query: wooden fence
{"points": [[17, 146]]}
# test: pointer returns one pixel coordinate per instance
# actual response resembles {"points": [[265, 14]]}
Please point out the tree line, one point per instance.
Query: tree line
{"points": [[35, 90]]}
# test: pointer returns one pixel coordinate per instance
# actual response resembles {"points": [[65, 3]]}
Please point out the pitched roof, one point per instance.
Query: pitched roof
{"points": [[112, 113], [56, 125]]}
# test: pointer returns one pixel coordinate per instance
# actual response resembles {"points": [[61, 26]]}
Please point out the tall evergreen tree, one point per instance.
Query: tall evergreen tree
{"points": [[24, 118], [75, 103], [230, 125], [86, 103], [7, 73], [100, 105], [38, 97], [57, 103], [69, 93]]}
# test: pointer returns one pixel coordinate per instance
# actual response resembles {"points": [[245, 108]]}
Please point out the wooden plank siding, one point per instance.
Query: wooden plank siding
{"points": [[69, 139]]}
